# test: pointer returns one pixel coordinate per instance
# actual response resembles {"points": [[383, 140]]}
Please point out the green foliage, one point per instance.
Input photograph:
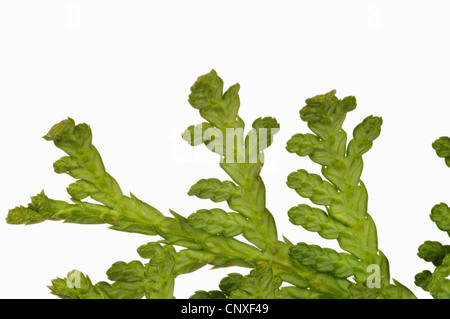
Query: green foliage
{"points": [[244, 235], [342, 265], [442, 148], [344, 196], [212, 189], [436, 282], [218, 222], [132, 280]]}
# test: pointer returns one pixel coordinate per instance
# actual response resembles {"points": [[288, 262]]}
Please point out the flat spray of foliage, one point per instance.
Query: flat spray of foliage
{"points": [[278, 268]]}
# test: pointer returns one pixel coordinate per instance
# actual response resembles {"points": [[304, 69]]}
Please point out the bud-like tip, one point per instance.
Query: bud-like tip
{"points": [[442, 146], [207, 88], [64, 127], [326, 105]]}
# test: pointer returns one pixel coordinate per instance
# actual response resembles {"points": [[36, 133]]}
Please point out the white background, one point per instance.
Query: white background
{"points": [[125, 68]]}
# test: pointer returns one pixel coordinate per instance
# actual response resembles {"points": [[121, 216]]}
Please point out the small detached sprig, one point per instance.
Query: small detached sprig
{"points": [[438, 254]]}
